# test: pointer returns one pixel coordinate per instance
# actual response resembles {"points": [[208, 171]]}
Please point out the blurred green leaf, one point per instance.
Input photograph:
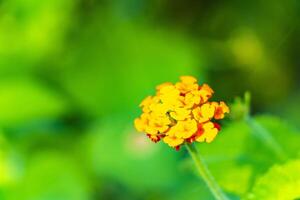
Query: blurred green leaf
{"points": [[52, 175], [287, 136], [226, 157], [242, 156], [30, 30], [6, 168], [280, 182], [10, 166], [113, 64], [290, 111], [23, 99], [115, 150], [193, 190]]}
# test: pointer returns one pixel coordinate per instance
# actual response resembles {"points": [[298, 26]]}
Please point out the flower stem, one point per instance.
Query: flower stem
{"points": [[205, 174]]}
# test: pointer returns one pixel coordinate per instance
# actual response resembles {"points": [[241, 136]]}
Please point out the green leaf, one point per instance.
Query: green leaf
{"points": [[226, 159], [51, 175], [22, 100], [284, 134], [116, 151], [112, 66], [287, 135], [239, 154], [10, 167], [30, 30], [7, 175], [193, 190], [280, 182]]}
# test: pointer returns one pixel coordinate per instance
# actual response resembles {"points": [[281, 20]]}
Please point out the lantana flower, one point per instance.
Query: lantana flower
{"points": [[180, 113]]}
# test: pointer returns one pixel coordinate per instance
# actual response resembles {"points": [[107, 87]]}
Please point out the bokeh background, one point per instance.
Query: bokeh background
{"points": [[72, 73]]}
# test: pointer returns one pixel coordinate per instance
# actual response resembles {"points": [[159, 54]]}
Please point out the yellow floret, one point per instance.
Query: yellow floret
{"points": [[180, 113], [185, 129], [171, 139], [192, 98], [159, 124], [205, 93], [187, 84], [221, 109], [159, 110], [204, 112], [209, 133], [188, 79], [159, 87], [142, 122]]}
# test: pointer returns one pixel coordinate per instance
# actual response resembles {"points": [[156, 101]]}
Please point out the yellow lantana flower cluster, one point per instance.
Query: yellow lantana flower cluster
{"points": [[181, 113]]}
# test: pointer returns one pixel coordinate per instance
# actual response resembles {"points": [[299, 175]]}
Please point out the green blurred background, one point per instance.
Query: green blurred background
{"points": [[72, 73]]}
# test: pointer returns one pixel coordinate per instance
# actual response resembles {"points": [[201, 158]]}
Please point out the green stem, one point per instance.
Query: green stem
{"points": [[205, 174]]}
